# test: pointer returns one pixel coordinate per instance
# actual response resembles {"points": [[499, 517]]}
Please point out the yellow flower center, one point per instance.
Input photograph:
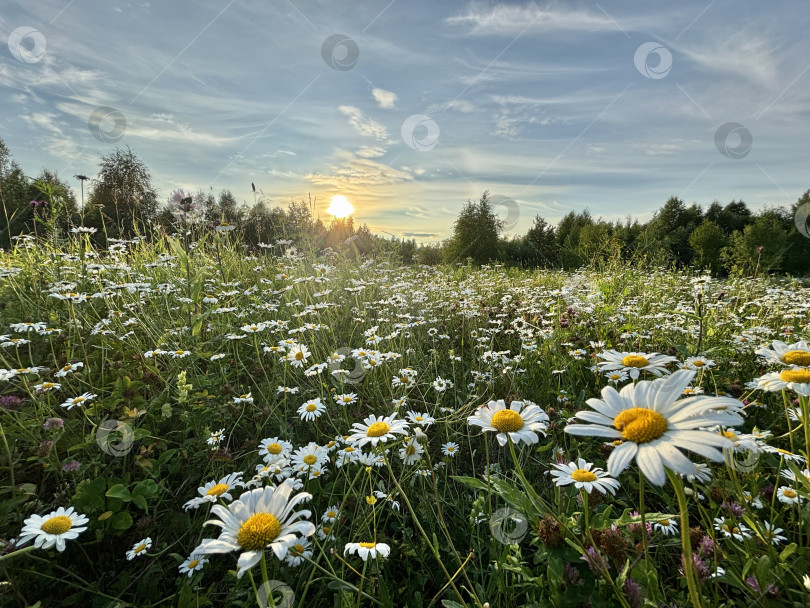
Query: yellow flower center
{"points": [[193, 564], [698, 363], [410, 450], [507, 421], [799, 376], [729, 435], [418, 418], [378, 429], [327, 529], [258, 531], [77, 400], [640, 425], [789, 493], [274, 448], [57, 525], [349, 449], [635, 361], [367, 545], [217, 490], [298, 549], [299, 355], [311, 407], [310, 459], [140, 548], [331, 514], [663, 522], [179, 352], [797, 357], [583, 475], [47, 385]]}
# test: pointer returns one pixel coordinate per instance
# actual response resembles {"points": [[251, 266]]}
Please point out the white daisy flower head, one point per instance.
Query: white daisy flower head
{"points": [[698, 363], [298, 552], [214, 490], [450, 449], [634, 363], [771, 534], [796, 379], [273, 447], [375, 429], [310, 455], [421, 418], [216, 438], [788, 496], [346, 398], [731, 529], [653, 423], [584, 476], [667, 527], [519, 422], [330, 514], [139, 548], [82, 399], [797, 354], [297, 355], [53, 529], [367, 550], [261, 519], [192, 564], [412, 451], [616, 376], [311, 409]]}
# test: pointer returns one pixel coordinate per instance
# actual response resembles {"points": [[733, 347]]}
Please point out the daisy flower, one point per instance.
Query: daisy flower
{"points": [[139, 548], [731, 529], [330, 514], [69, 368], [788, 474], [311, 455], [698, 363], [346, 398], [412, 451], [366, 550], [261, 519], [797, 354], [635, 363], [273, 447], [299, 551], [216, 437], [518, 423], [47, 386], [297, 355], [247, 398], [420, 418], [193, 563], [788, 496], [616, 376], [667, 527], [450, 449], [772, 534], [582, 474], [373, 430], [347, 455], [80, 400], [796, 379], [53, 529], [311, 409], [216, 490], [653, 423]]}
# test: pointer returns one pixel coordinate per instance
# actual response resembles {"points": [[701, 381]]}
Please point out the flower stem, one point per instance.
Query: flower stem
{"points": [[686, 543]]}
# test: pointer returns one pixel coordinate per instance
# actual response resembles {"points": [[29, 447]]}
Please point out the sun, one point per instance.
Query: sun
{"points": [[340, 207]]}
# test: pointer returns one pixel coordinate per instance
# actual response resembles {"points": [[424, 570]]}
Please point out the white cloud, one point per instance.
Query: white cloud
{"points": [[386, 99], [371, 152], [363, 124], [459, 105], [740, 53], [512, 19]]}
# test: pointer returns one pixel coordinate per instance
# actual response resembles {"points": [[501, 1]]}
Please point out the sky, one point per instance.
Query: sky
{"points": [[409, 108]]}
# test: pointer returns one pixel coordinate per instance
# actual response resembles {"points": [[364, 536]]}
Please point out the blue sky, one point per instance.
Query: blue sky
{"points": [[556, 106]]}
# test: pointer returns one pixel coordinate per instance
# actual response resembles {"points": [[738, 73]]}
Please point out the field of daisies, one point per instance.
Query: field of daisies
{"points": [[201, 425]]}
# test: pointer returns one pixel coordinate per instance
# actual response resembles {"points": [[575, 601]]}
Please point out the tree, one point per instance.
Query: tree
{"points": [[475, 233], [707, 241], [542, 243], [123, 200], [757, 249], [13, 197], [797, 257]]}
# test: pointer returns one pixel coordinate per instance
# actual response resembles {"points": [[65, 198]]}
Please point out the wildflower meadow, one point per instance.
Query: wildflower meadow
{"points": [[197, 423]]}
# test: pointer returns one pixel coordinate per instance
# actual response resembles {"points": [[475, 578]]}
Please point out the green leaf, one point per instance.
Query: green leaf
{"points": [[473, 482], [451, 604], [147, 487], [119, 490], [140, 501], [121, 521], [787, 552]]}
